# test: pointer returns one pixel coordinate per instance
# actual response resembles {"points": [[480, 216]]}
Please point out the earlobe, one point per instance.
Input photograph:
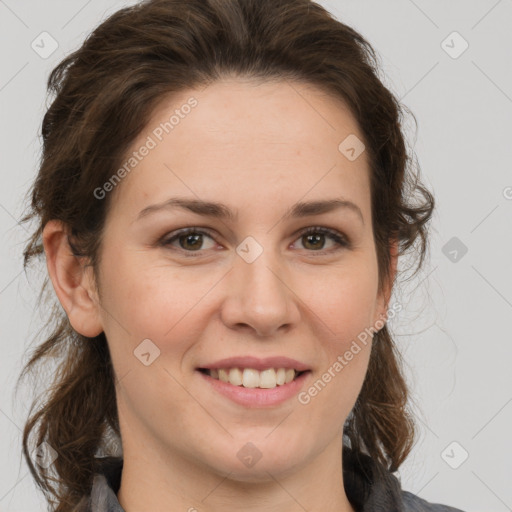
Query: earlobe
{"points": [[72, 281]]}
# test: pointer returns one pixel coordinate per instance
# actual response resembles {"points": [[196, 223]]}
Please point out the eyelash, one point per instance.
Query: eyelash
{"points": [[341, 240]]}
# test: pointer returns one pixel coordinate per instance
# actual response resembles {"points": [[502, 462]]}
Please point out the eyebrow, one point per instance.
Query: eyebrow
{"points": [[223, 212]]}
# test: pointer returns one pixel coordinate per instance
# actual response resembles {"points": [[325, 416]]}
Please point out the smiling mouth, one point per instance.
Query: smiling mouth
{"points": [[251, 378]]}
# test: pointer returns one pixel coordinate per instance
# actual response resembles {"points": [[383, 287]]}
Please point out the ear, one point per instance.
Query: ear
{"points": [[385, 296], [72, 281]]}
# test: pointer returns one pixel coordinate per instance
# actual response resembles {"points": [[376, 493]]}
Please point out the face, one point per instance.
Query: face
{"points": [[255, 284]]}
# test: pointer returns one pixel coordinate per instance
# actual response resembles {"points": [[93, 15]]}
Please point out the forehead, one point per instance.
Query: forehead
{"points": [[240, 139]]}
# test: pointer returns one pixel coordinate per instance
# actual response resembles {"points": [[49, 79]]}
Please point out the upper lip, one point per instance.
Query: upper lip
{"points": [[257, 363]]}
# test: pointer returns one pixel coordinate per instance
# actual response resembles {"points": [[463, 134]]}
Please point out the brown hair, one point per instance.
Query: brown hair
{"points": [[105, 93]]}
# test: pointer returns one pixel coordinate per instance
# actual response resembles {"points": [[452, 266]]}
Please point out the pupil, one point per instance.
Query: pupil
{"points": [[195, 237], [316, 237]]}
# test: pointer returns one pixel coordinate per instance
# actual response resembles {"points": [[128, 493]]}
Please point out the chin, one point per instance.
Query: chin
{"points": [[252, 465]]}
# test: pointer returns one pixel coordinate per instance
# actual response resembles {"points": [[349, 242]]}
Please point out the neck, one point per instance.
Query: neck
{"points": [[151, 482]]}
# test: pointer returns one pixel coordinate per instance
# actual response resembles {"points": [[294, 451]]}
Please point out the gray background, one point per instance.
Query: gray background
{"points": [[453, 330]]}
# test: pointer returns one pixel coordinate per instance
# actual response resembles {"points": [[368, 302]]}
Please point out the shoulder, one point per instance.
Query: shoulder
{"points": [[370, 487], [413, 503]]}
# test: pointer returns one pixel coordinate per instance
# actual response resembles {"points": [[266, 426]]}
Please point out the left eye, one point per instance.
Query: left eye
{"points": [[315, 235], [191, 239]]}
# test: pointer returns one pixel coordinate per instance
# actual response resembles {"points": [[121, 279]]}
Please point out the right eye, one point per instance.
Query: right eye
{"points": [[189, 239]]}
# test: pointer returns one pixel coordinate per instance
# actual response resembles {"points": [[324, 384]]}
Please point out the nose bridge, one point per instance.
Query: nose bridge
{"points": [[258, 269], [258, 293]]}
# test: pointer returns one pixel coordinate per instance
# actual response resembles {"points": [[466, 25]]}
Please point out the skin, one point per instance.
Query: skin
{"points": [[258, 148]]}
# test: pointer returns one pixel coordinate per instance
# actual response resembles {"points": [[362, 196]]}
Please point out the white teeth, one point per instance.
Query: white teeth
{"points": [[235, 376], [281, 376], [268, 378], [251, 378], [290, 375]]}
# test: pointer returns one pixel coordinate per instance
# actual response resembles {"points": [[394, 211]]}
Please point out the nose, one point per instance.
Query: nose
{"points": [[260, 297]]}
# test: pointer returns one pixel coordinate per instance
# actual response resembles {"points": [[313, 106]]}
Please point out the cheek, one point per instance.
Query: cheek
{"points": [[330, 397], [154, 298], [163, 304], [345, 305], [344, 300]]}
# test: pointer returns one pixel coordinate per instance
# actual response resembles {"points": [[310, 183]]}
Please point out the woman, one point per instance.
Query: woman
{"points": [[222, 200]]}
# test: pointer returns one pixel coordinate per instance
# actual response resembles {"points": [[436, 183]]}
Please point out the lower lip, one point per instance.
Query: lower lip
{"points": [[257, 397]]}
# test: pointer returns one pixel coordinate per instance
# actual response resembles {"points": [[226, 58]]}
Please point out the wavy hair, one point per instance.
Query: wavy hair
{"points": [[104, 94]]}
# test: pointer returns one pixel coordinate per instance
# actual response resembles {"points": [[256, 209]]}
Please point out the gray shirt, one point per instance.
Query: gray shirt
{"points": [[369, 487]]}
